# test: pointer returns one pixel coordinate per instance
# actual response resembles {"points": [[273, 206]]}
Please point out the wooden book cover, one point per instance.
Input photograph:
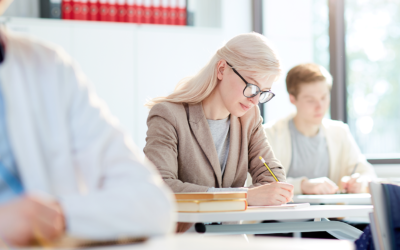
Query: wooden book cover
{"points": [[211, 196], [209, 206]]}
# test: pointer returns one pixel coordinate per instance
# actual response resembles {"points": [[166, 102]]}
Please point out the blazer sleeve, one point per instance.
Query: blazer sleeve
{"points": [[162, 148], [352, 156], [120, 195], [259, 146]]}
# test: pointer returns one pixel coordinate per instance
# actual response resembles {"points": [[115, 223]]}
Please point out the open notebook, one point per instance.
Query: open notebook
{"points": [[283, 206]]}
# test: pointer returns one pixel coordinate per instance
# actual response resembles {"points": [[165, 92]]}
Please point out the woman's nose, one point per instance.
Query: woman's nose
{"points": [[255, 99]]}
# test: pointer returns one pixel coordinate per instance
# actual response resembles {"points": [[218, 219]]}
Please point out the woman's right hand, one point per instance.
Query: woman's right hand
{"points": [[275, 193]]}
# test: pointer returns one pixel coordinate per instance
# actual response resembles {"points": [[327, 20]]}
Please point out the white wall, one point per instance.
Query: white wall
{"points": [[288, 24], [23, 8]]}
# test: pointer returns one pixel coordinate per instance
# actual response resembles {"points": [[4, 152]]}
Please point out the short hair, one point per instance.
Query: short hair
{"points": [[306, 73]]}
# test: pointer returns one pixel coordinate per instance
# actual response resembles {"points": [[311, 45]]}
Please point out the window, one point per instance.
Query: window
{"points": [[299, 31], [320, 28], [373, 74]]}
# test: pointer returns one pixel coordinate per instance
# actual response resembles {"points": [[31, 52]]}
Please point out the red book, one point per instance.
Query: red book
{"points": [[84, 10], [140, 11], [94, 13], [181, 12], [156, 9], [76, 10], [112, 10], [103, 7], [131, 11], [121, 11], [164, 11], [147, 11], [66, 9], [173, 12]]}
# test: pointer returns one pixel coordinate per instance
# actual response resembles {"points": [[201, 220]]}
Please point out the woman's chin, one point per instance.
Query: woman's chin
{"points": [[238, 113]]}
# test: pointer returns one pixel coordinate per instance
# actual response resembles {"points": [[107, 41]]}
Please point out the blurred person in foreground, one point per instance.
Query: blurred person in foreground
{"points": [[66, 168], [318, 154]]}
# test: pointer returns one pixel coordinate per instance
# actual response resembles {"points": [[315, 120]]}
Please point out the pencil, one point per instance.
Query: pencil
{"points": [[272, 173], [354, 169]]}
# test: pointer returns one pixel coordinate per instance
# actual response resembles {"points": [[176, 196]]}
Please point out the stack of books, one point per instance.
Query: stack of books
{"points": [[169, 12], [207, 202]]}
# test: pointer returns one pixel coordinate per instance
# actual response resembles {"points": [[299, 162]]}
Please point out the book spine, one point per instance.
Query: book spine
{"points": [[55, 9], [139, 11], [164, 11], [94, 13], [131, 11], [121, 11], [156, 9], [112, 11], [50, 9], [76, 10], [182, 12], [173, 19], [66, 6], [84, 10], [103, 10], [147, 11]]}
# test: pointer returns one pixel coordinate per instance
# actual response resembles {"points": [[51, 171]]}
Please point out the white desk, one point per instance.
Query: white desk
{"points": [[338, 229], [312, 212], [197, 242], [348, 199]]}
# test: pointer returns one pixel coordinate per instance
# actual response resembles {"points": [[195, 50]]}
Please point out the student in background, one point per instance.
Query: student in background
{"points": [[317, 153], [208, 133], [65, 165]]}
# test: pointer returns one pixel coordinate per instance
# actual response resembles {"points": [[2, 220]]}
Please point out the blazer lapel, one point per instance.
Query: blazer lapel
{"points": [[201, 131], [234, 152]]}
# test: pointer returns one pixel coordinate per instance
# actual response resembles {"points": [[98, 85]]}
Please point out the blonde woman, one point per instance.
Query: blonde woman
{"points": [[207, 135]]}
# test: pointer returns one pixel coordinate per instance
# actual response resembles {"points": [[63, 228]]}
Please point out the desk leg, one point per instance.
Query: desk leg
{"points": [[296, 234], [341, 229], [338, 234]]}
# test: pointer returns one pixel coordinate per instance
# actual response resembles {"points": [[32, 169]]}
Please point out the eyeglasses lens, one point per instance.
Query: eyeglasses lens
{"points": [[251, 91], [265, 97]]}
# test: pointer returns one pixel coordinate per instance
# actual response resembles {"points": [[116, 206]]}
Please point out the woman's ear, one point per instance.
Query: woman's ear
{"points": [[220, 69]]}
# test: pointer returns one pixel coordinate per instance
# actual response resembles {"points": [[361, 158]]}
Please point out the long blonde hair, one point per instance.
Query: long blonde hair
{"points": [[251, 52]]}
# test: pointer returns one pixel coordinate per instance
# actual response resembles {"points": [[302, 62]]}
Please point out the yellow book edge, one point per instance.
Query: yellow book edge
{"points": [[200, 201], [210, 196]]}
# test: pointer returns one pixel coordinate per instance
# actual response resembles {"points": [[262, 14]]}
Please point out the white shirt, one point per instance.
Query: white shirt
{"points": [[68, 145]]}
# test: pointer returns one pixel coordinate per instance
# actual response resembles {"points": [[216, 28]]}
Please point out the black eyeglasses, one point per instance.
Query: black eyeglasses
{"points": [[252, 90]]}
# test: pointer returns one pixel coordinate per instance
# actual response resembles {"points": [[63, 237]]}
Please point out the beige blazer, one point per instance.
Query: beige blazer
{"points": [[180, 144], [343, 151]]}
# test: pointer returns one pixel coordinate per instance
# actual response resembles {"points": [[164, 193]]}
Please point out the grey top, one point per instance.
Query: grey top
{"points": [[220, 134], [310, 156]]}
